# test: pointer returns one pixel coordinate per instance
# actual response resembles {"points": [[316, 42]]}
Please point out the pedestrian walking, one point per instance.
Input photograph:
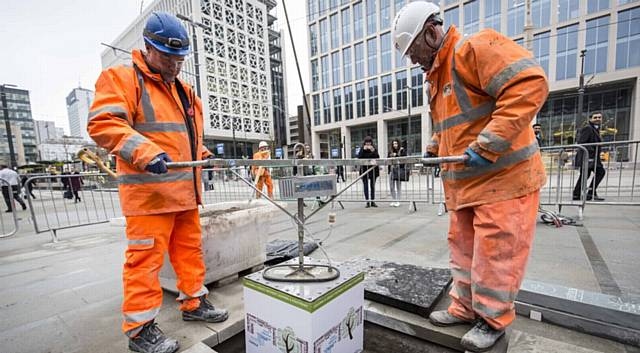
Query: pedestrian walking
{"points": [[368, 150], [590, 134], [11, 177], [397, 173], [485, 90], [75, 185], [146, 117]]}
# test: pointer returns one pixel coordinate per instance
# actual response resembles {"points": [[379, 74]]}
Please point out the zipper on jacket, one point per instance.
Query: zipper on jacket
{"points": [[190, 130]]}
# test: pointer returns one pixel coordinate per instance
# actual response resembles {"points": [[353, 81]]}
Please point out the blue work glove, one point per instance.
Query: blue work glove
{"points": [[475, 160], [157, 165]]}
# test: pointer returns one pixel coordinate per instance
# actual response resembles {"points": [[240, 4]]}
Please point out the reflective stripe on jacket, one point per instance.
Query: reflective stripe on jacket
{"points": [[485, 91], [136, 116]]}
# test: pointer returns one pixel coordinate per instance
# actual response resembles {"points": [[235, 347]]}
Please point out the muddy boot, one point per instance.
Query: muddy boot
{"points": [[481, 337], [152, 340], [442, 318], [205, 312]]}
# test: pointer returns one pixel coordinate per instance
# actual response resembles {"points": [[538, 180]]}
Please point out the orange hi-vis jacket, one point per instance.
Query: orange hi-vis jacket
{"points": [[484, 92], [136, 116], [261, 155]]}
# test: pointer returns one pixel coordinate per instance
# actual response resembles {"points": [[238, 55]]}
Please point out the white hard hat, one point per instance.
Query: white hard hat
{"points": [[409, 22], [263, 144]]}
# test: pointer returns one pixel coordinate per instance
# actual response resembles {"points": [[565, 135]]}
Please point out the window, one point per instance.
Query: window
{"points": [[346, 22], [337, 106], [449, 2], [568, 9], [324, 40], [401, 90], [325, 71], [372, 59], [313, 39], [373, 96], [417, 78], [385, 14], [515, 17], [360, 99], [451, 17], [597, 5], [346, 62], [596, 44], [541, 13], [335, 66], [472, 17], [348, 103], [385, 52], [387, 94], [314, 75], [567, 52], [359, 51], [541, 50], [371, 17], [400, 60], [492, 14], [316, 109], [322, 7], [326, 107], [357, 21], [398, 4], [313, 11], [335, 32], [628, 39]]}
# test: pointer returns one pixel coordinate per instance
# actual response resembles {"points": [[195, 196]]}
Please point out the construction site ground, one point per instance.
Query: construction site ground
{"points": [[66, 296]]}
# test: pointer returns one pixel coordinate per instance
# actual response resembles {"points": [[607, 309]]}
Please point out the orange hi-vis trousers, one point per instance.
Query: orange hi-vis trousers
{"points": [[149, 239], [489, 247], [265, 180]]}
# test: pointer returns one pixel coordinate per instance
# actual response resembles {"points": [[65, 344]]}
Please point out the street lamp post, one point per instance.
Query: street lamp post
{"points": [[409, 88], [581, 85], [7, 124], [196, 62]]}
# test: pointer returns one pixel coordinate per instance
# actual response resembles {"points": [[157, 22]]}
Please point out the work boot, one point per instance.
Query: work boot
{"points": [[373, 204], [152, 340], [367, 206], [443, 318], [205, 312], [481, 337]]}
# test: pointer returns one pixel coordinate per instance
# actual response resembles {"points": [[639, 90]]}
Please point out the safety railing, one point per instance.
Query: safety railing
{"points": [[8, 217], [618, 186], [67, 201]]}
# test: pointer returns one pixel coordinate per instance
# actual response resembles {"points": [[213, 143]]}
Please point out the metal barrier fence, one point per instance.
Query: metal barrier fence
{"points": [[67, 201], [8, 219]]}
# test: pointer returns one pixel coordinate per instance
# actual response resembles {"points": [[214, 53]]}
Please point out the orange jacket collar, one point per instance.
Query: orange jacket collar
{"points": [[138, 60], [450, 39]]}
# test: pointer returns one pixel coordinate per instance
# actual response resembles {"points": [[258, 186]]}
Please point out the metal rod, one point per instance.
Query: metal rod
{"points": [[301, 233]]}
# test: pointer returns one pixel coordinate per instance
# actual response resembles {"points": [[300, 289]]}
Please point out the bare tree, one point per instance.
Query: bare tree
{"points": [[287, 341], [349, 322]]}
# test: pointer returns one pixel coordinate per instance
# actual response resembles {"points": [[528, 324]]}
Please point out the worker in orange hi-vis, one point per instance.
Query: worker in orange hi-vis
{"points": [[146, 116], [484, 92], [261, 175]]}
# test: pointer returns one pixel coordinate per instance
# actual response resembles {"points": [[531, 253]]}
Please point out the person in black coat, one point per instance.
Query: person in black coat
{"points": [[590, 134], [368, 150], [396, 172]]}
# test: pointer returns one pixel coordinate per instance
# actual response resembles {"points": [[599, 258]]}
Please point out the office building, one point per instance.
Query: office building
{"points": [[21, 124], [78, 103]]}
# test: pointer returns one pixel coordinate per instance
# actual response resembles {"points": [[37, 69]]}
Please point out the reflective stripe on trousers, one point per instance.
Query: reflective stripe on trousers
{"points": [[150, 237], [489, 247]]}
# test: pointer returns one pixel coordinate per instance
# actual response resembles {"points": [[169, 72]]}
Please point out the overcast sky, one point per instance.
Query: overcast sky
{"points": [[50, 47]]}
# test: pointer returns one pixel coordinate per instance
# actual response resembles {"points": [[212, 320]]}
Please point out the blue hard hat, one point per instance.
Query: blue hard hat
{"points": [[165, 32]]}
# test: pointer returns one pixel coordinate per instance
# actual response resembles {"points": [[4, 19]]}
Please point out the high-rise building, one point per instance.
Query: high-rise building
{"points": [[45, 130], [361, 86], [236, 64], [22, 128], [78, 104]]}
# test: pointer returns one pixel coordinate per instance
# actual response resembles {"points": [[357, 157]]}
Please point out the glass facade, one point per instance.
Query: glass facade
{"points": [[541, 13], [387, 94], [373, 96], [372, 57], [335, 32], [360, 102], [346, 26], [316, 109], [358, 22], [313, 40], [566, 53], [596, 45], [541, 50], [314, 75], [515, 17], [348, 102], [346, 63], [401, 90], [371, 17], [326, 107], [359, 53], [417, 78], [385, 52], [324, 67], [568, 9], [385, 14], [324, 36], [492, 14], [472, 17], [337, 105], [451, 17], [358, 133], [628, 39], [335, 67], [597, 5]]}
